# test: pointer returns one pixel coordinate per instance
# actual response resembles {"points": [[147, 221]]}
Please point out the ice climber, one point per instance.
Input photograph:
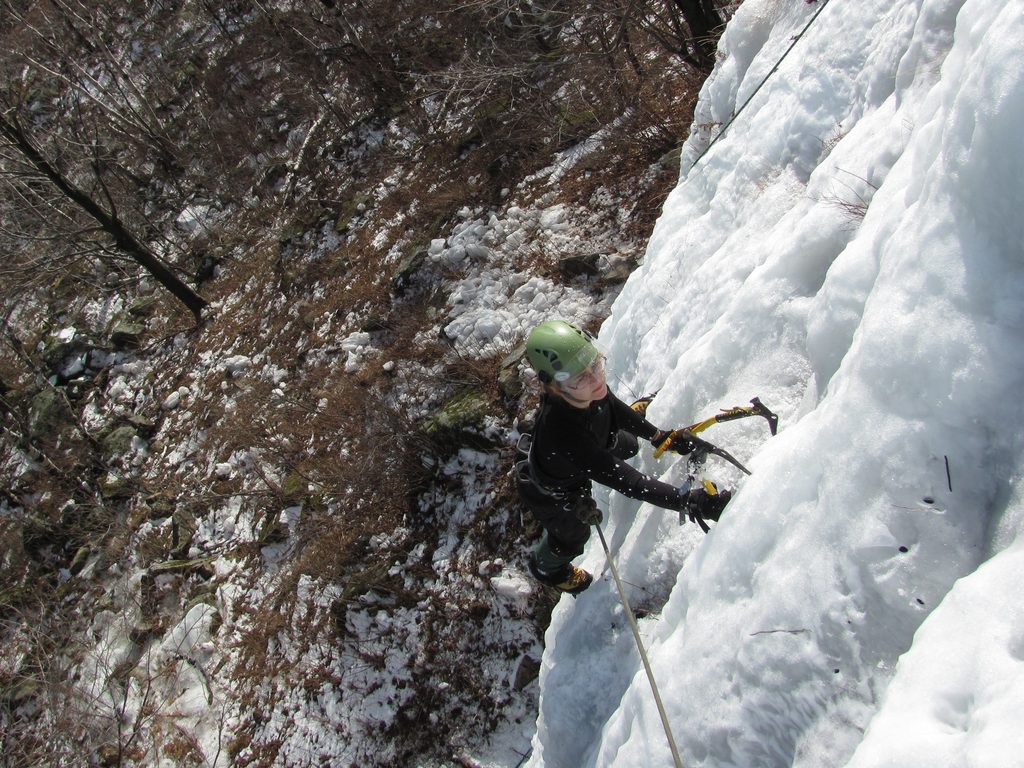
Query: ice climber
{"points": [[582, 433]]}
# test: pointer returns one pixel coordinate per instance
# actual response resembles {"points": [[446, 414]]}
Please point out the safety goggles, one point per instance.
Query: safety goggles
{"points": [[594, 374]]}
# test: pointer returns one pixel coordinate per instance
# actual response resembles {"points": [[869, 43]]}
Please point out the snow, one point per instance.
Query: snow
{"points": [[492, 309], [849, 251], [512, 584], [236, 365]]}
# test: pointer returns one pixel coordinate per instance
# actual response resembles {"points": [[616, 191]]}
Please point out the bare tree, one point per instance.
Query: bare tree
{"points": [[705, 24], [85, 150], [29, 175]]}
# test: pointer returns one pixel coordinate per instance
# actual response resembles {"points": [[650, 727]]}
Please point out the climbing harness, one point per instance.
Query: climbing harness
{"points": [[527, 472], [643, 654]]}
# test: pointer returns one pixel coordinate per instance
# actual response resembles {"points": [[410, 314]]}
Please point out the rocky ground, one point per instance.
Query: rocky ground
{"points": [[287, 535]]}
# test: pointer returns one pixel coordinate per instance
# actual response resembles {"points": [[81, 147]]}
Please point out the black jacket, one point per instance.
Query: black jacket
{"points": [[574, 446]]}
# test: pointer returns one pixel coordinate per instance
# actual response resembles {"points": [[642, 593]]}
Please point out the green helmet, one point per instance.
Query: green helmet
{"points": [[559, 351]]}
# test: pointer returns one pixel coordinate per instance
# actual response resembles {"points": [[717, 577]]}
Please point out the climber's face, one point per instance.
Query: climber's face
{"points": [[589, 385]]}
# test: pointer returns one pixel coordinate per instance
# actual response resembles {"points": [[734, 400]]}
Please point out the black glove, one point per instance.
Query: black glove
{"points": [[702, 506], [708, 506], [586, 511], [679, 441]]}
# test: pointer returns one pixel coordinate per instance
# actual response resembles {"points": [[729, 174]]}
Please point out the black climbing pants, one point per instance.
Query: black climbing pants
{"points": [[564, 536]]}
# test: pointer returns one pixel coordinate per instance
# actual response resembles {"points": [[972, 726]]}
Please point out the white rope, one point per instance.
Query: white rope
{"points": [[643, 654]]}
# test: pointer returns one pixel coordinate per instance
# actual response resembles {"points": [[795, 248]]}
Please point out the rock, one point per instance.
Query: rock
{"points": [[407, 271], [48, 414], [64, 355], [142, 307], [114, 487], [585, 264], [527, 672], [237, 365], [159, 505], [274, 528], [459, 421], [617, 273], [118, 441], [79, 560], [671, 161], [508, 374], [144, 426], [183, 529], [126, 334], [198, 565]]}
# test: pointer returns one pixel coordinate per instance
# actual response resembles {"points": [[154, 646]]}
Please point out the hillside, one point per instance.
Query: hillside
{"points": [[255, 510]]}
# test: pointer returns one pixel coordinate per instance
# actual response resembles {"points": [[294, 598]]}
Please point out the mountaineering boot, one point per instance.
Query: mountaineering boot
{"points": [[569, 579], [577, 581]]}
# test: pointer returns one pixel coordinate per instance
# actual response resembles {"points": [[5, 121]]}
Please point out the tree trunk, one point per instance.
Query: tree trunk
{"points": [[109, 222], [703, 21]]}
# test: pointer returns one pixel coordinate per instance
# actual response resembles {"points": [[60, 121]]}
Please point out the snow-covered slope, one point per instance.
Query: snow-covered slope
{"points": [[851, 251]]}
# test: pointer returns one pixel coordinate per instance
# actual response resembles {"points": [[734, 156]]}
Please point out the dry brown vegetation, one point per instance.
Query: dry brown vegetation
{"points": [[329, 142]]}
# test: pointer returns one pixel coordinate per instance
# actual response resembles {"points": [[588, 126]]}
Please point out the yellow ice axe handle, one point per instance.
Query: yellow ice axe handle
{"points": [[700, 446], [756, 408], [663, 446]]}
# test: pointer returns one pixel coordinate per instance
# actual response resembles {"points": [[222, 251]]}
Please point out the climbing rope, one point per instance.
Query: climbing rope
{"points": [[771, 72], [643, 654]]}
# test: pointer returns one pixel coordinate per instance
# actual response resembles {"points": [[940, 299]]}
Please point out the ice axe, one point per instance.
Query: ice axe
{"points": [[700, 446], [756, 408]]}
